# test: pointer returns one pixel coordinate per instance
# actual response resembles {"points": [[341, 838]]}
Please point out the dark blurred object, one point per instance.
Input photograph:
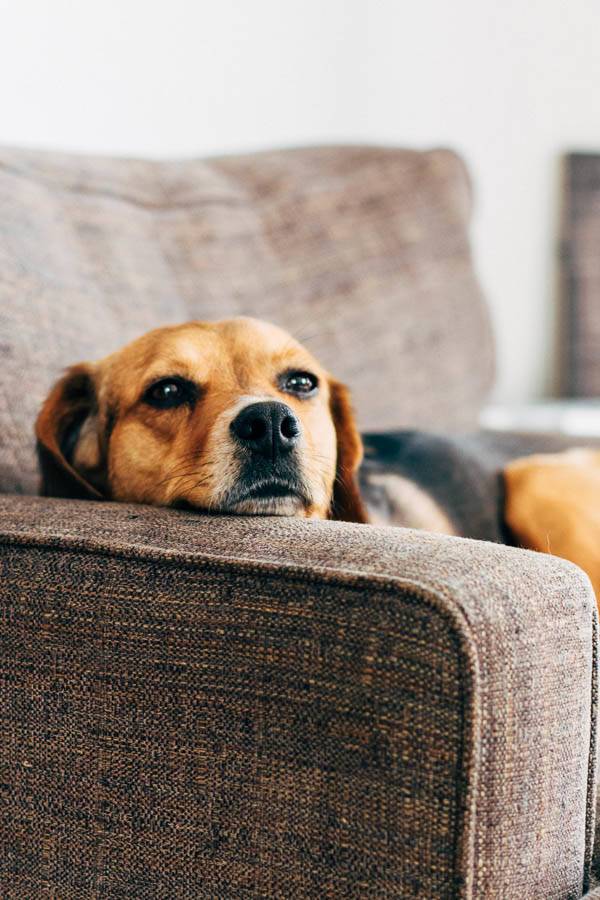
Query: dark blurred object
{"points": [[581, 275]]}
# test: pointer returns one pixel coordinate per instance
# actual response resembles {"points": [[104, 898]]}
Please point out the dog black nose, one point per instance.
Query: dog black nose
{"points": [[267, 429]]}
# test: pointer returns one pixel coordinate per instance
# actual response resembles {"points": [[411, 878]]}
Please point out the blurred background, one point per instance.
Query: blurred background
{"points": [[511, 86]]}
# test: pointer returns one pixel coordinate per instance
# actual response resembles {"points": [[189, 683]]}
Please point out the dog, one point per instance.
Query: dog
{"points": [[233, 416], [238, 417]]}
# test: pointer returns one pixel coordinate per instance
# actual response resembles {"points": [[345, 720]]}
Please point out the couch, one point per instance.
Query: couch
{"points": [[201, 706]]}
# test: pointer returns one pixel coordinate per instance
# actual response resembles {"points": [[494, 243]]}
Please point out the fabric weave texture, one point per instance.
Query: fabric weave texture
{"points": [[200, 707]]}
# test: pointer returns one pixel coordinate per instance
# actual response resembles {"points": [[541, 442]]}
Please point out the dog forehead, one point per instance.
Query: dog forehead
{"points": [[179, 347], [190, 347], [226, 335], [240, 341], [253, 340], [247, 327], [237, 350], [253, 334]]}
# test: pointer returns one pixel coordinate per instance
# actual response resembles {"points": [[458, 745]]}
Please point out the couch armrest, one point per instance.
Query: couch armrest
{"points": [[212, 706]]}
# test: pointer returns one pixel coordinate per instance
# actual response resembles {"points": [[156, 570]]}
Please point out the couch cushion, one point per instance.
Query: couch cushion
{"points": [[361, 252]]}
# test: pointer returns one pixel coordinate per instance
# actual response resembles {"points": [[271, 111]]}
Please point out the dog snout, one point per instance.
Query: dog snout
{"points": [[267, 429]]}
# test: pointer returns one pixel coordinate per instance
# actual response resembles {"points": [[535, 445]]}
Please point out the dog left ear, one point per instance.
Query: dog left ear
{"points": [[347, 505], [68, 447]]}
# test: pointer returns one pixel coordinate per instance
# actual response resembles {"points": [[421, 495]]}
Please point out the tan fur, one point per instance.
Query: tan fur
{"points": [[164, 456], [553, 505]]}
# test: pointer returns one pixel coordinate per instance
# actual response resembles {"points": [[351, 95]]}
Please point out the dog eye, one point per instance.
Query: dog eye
{"points": [[170, 392], [302, 383]]}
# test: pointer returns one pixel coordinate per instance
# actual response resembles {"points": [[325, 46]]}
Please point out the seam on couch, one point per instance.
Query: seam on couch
{"points": [[45, 179], [458, 627], [590, 825], [140, 203]]}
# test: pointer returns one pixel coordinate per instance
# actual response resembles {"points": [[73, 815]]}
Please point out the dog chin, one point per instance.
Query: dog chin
{"points": [[268, 506]]}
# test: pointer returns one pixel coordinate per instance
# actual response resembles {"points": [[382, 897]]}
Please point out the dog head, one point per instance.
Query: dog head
{"points": [[233, 416]]}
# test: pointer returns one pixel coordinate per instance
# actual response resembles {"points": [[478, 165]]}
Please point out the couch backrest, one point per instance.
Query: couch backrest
{"points": [[362, 252]]}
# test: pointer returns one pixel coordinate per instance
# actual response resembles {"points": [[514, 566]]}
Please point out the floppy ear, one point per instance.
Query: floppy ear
{"points": [[68, 445], [347, 504]]}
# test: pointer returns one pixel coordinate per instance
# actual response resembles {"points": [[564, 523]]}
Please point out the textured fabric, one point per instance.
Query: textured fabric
{"points": [[242, 707], [361, 252], [581, 274]]}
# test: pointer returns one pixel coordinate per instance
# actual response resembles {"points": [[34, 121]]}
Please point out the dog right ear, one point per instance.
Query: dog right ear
{"points": [[68, 444], [347, 504]]}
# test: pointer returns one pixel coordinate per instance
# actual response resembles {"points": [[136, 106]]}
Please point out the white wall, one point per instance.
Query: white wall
{"points": [[510, 85], [163, 77]]}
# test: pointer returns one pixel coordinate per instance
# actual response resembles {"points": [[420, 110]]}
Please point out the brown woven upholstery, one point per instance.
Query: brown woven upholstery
{"points": [[361, 252], [221, 707]]}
